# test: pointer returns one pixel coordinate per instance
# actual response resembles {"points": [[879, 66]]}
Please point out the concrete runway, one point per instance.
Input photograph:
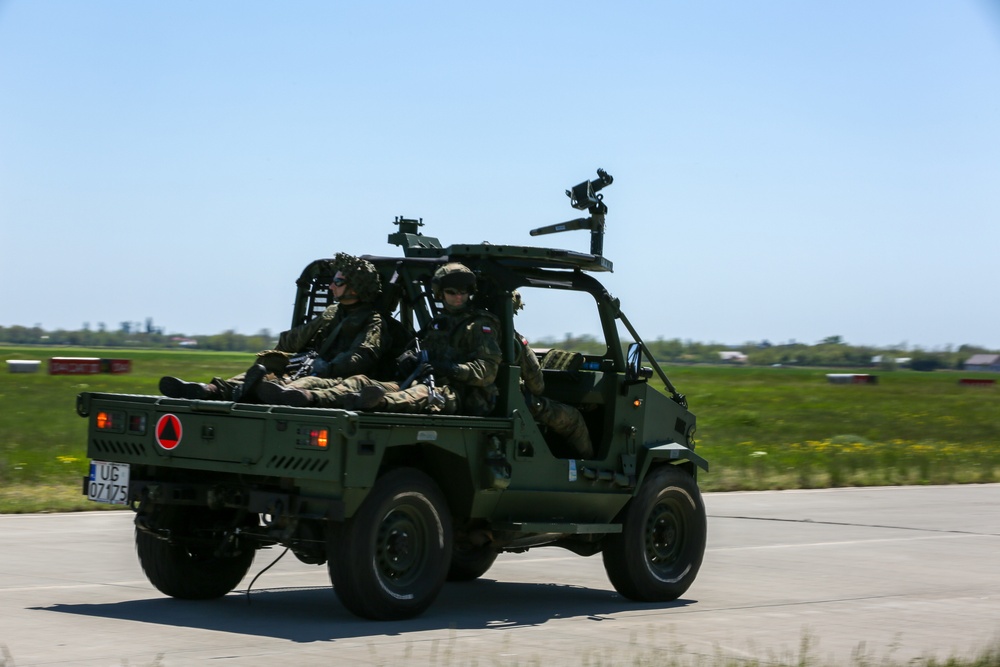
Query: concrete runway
{"points": [[893, 573]]}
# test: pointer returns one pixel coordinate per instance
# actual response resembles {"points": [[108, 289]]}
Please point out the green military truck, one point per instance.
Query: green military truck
{"points": [[398, 504]]}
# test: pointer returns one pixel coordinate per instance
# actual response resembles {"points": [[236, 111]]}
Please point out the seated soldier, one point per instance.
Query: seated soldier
{"points": [[463, 357], [348, 338], [564, 420]]}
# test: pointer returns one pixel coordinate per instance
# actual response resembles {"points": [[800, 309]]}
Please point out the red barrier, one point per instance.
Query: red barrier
{"points": [[74, 365], [976, 382], [87, 365], [116, 365]]}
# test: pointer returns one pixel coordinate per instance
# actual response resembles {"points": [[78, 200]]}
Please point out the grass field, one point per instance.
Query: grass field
{"points": [[776, 428], [760, 428], [43, 441]]}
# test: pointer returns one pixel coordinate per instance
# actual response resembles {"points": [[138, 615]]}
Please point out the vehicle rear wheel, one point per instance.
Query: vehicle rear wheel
{"points": [[192, 565], [470, 562], [389, 560], [657, 555]]}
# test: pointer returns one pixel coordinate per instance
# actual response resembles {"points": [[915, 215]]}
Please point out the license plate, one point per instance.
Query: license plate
{"points": [[108, 483]]}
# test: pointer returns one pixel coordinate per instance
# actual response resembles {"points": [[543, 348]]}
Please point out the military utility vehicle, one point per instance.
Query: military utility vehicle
{"points": [[398, 504]]}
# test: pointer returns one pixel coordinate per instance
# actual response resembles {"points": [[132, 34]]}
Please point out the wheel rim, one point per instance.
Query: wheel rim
{"points": [[665, 537], [401, 549]]}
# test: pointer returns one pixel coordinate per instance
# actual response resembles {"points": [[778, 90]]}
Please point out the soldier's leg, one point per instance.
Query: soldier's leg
{"points": [[175, 387], [567, 422], [297, 393], [313, 383], [226, 388], [418, 399], [217, 390], [322, 392], [345, 394]]}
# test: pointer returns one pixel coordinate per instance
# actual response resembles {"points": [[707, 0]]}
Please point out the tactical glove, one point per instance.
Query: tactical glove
{"points": [[444, 369], [320, 367], [406, 363]]}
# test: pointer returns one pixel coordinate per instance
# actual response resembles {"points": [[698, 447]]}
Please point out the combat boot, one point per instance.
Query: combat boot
{"points": [[273, 393], [371, 397], [178, 388], [247, 392]]}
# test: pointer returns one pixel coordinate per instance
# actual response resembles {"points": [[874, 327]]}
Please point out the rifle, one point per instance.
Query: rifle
{"points": [[300, 365], [423, 371]]}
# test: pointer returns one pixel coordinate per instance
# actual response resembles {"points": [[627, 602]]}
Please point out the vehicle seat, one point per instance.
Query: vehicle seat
{"points": [[561, 360]]}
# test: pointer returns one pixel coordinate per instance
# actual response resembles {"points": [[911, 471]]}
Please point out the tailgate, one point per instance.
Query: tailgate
{"points": [[174, 432]]}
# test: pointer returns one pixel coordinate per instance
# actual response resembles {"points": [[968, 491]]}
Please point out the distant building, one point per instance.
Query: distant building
{"points": [[733, 357], [899, 361], [983, 362]]}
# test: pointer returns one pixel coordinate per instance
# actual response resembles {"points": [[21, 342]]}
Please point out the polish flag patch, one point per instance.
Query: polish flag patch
{"points": [[487, 328]]}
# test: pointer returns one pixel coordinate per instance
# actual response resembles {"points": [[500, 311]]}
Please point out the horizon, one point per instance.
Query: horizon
{"points": [[900, 347]]}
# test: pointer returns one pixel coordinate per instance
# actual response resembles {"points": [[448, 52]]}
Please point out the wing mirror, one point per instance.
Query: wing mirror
{"points": [[634, 370]]}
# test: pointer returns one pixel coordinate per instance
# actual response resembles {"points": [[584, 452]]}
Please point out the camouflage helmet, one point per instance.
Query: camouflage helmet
{"points": [[360, 274], [453, 274], [515, 298]]}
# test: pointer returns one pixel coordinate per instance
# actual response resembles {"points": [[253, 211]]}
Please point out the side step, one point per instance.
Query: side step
{"points": [[530, 527]]}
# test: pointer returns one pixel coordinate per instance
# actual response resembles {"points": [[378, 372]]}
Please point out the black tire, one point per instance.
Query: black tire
{"points": [[191, 570], [657, 555], [389, 560], [470, 562]]}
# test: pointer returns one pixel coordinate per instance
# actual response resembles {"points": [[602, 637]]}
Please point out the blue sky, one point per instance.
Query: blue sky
{"points": [[784, 170]]}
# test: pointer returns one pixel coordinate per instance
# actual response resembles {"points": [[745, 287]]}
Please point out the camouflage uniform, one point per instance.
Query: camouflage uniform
{"points": [[349, 339], [465, 345], [565, 420], [331, 393], [531, 370]]}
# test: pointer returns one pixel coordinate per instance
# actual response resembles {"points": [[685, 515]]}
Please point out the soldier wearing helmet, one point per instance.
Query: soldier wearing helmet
{"points": [[348, 338], [463, 358], [564, 420], [451, 279]]}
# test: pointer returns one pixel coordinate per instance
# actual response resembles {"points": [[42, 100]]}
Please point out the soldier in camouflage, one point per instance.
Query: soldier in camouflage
{"points": [[348, 338], [564, 420], [463, 356]]}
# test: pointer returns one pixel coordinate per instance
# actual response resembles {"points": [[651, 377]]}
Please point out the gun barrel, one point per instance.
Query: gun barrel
{"points": [[569, 225]]}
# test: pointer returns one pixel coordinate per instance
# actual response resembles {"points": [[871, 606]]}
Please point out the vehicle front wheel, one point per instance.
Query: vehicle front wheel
{"points": [[657, 555], [389, 560], [469, 562], [197, 562]]}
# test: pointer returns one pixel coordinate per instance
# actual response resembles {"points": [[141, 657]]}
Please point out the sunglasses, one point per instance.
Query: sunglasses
{"points": [[339, 282], [451, 291]]}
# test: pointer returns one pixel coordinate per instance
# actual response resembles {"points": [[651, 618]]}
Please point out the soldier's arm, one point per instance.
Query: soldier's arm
{"points": [[481, 369], [531, 371], [364, 352], [298, 338]]}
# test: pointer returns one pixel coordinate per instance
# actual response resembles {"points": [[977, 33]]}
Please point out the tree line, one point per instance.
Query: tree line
{"points": [[830, 352], [136, 337]]}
